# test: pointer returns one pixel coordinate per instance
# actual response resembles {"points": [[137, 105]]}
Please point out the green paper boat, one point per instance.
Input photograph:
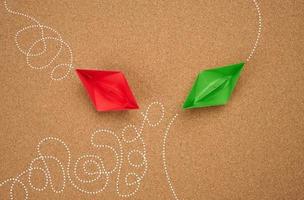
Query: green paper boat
{"points": [[213, 87]]}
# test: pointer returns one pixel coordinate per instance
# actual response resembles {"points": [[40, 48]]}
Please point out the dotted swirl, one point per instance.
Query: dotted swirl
{"points": [[41, 43], [78, 174]]}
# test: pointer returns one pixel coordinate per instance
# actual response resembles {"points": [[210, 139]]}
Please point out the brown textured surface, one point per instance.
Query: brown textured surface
{"points": [[250, 149]]}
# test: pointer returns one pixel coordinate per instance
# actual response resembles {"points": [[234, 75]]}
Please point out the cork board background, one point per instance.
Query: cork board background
{"points": [[250, 149]]}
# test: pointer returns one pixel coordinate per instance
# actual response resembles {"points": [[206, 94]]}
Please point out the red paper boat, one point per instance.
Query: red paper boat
{"points": [[108, 90]]}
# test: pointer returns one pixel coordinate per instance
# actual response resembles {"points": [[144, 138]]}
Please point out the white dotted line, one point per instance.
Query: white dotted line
{"points": [[100, 172], [143, 153], [134, 151], [30, 177], [164, 157], [123, 134], [42, 39], [23, 186], [44, 159], [102, 132], [145, 115], [173, 119], [259, 30]]}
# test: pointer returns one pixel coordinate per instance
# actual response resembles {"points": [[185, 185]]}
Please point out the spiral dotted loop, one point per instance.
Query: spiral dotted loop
{"points": [[70, 174], [100, 168], [42, 38]]}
